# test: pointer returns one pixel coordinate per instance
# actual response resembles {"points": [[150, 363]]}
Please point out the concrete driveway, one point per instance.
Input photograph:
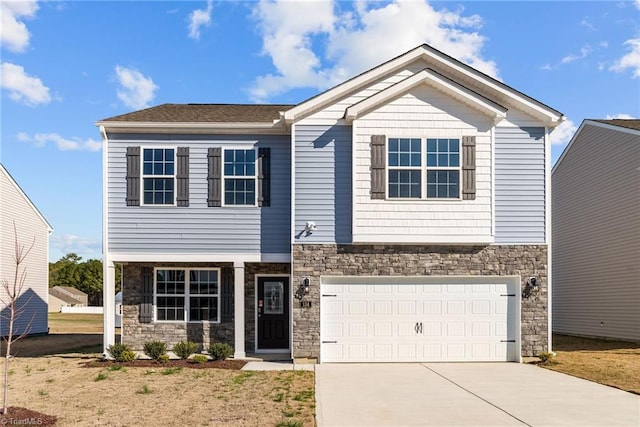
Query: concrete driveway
{"points": [[465, 394]]}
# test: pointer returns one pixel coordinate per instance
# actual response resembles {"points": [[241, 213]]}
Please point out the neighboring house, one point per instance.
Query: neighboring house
{"points": [[596, 232], [395, 217], [66, 296], [19, 214]]}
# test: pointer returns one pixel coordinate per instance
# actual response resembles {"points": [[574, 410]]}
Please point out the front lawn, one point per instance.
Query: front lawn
{"points": [[614, 363]]}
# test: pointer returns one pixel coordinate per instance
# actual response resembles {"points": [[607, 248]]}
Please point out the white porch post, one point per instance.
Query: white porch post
{"points": [[109, 304], [238, 313]]}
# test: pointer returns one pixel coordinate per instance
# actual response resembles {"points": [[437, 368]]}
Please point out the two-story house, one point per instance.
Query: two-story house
{"points": [[399, 216]]}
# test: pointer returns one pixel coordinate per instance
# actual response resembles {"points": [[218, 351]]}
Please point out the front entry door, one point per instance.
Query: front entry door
{"points": [[273, 313]]}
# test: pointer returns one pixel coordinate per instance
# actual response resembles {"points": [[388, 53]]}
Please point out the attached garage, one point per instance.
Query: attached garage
{"points": [[420, 319]]}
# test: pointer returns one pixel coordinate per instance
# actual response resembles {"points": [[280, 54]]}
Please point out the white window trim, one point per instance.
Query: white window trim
{"points": [[224, 177], [186, 294], [174, 176], [423, 171]]}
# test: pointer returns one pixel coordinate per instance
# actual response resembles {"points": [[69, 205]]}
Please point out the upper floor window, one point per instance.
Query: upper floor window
{"points": [[409, 170], [158, 176], [240, 177]]}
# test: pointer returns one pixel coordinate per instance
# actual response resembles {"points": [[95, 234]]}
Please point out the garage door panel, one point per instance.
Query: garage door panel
{"points": [[410, 322]]}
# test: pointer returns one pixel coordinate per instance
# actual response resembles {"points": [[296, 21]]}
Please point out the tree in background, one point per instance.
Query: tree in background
{"points": [[86, 276]]}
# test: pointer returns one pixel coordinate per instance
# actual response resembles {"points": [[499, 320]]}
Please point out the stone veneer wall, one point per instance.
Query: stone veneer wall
{"points": [[315, 260], [136, 334]]}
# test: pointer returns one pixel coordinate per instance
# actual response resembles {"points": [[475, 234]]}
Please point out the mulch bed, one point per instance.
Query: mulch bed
{"points": [[174, 363], [23, 416]]}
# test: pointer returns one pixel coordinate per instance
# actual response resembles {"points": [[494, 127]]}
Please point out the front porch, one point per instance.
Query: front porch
{"points": [[170, 302]]}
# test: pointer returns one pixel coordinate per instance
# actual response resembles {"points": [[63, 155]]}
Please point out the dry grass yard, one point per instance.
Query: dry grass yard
{"points": [[614, 363], [48, 375], [115, 396]]}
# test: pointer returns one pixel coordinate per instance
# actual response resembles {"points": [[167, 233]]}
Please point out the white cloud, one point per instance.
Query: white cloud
{"points": [[315, 44], [22, 87], [586, 22], [63, 144], [630, 60], [66, 243], [620, 116], [199, 18], [14, 34], [637, 3], [135, 91], [563, 133], [584, 52]]}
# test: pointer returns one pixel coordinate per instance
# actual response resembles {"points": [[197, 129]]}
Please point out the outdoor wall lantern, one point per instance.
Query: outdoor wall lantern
{"points": [[303, 289], [531, 285]]}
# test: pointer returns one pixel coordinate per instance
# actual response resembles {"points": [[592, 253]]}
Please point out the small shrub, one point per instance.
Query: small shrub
{"points": [[220, 351], [121, 353], [101, 376], [200, 358], [163, 358], [546, 357], [184, 349], [155, 349]]}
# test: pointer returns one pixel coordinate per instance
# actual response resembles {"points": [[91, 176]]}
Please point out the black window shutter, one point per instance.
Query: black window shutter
{"points": [[214, 177], [182, 176], [146, 300], [468, 167], [133, 176], [264, 176], [227, 295], [378, 163]]}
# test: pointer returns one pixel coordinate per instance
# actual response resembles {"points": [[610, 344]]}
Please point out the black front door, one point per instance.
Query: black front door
{"points": [[273, 313]]}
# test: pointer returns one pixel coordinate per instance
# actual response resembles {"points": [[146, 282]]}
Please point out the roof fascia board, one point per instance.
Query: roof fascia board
{"points": [[24, 195], [434, 79], [195, 127], [584, 124]]}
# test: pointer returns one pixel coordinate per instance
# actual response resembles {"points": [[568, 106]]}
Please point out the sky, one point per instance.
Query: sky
{"points": [[65, 65]]}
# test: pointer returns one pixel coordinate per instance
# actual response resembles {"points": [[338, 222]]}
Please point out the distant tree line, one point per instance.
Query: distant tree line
{"points": [[86, 276]]}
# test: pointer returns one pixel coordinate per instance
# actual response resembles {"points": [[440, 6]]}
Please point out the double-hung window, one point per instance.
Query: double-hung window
{"points": [[443, 168], [240, 177], [190, 295], [158, 176], [417, 163]]}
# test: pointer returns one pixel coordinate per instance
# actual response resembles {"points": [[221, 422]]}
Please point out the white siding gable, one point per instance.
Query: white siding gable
{"points": [[423, 112]]}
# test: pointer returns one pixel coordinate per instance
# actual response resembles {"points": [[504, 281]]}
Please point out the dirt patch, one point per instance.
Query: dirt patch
{"points": [[112, 395], [23, 416], [613, 363]]}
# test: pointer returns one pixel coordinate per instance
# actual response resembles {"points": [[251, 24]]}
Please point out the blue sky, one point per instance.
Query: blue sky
{"points": [[66, 65]]}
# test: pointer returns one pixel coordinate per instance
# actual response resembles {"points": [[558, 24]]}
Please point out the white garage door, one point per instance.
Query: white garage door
{"points": [[426, 319]]}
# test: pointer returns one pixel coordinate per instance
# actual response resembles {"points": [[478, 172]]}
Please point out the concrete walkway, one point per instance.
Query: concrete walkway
{"points": [[465, 394], [257, 365]]}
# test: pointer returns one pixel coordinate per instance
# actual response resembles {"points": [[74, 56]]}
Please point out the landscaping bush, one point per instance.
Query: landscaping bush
{"points": [[155, 350], [200, 358], [121, 353], [184, 349], [220, 351]]}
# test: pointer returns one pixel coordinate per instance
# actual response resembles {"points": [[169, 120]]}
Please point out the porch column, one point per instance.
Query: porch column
{"points": [[238, 310], [109, 305]]}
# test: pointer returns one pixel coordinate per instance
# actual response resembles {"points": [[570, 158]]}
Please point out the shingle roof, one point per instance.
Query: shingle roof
{"points": [[205, 113], [623, 123]]}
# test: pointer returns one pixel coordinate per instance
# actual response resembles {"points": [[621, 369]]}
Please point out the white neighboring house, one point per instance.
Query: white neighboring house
{"points": [[596, 232], [31, 225]]}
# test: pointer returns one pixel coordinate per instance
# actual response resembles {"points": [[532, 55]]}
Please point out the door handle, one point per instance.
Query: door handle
{"points": [[418, 327]]}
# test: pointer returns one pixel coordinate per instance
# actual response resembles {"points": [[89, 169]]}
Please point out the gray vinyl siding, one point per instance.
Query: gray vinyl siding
{"points": [[199, 228], [31, 229], [323, 183], [596, 236], [520, 185]]}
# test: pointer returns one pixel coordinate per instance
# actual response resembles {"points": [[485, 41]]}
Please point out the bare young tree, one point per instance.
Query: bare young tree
{"points": [[14, 307]]}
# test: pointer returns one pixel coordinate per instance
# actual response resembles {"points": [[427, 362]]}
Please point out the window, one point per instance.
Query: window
{"points": [[405, 171], [158, 176], [443, 168], [191, 295], [240, 177], [406, 168]]}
